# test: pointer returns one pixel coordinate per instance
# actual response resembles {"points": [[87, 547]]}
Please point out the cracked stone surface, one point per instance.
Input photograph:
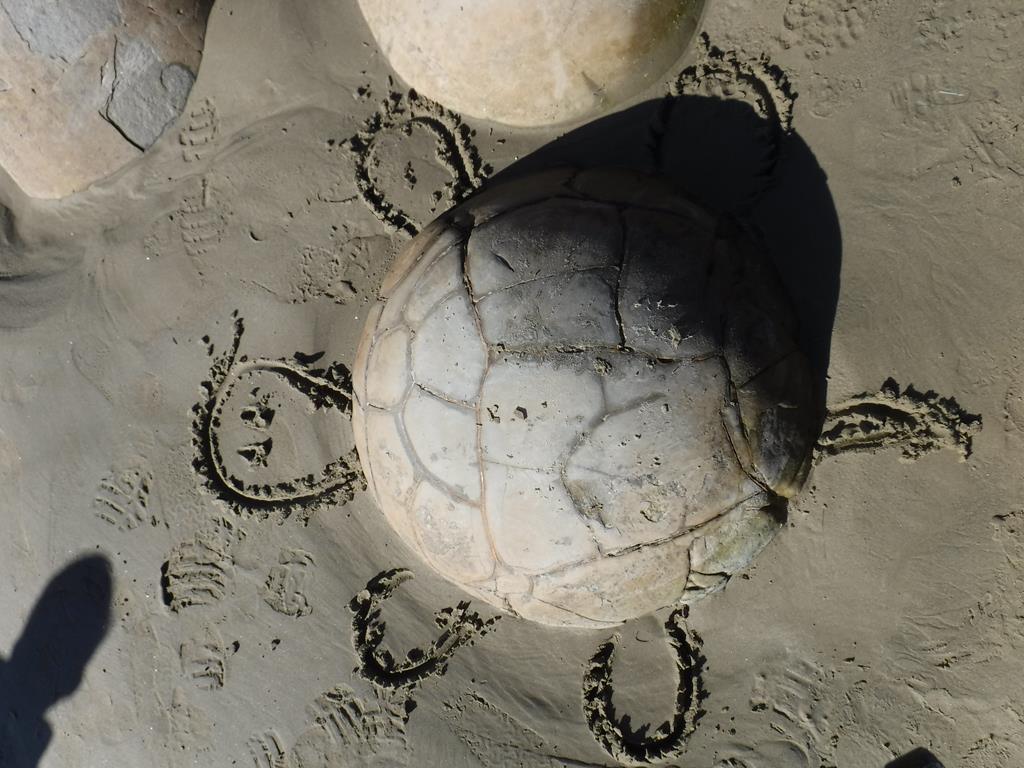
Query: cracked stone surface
{"points": [[533, 409], [533, 519], [396, 471], [572, 309], [91, 84], [651, 470], [460, 53], [448, 356], [388, 373], [443, 279], [443, 437], [597, 592], [452, 534], [606, 392], [665, 285], [731, 542], [542, 240]]}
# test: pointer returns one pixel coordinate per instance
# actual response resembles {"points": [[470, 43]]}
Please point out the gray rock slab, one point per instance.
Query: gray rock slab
{"points": [[61, 30], [147, 94], [90, 84]]}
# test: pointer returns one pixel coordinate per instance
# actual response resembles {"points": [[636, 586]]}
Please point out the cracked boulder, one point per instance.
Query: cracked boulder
{"points": [[531, 62], [580, 398], [91, 84]]}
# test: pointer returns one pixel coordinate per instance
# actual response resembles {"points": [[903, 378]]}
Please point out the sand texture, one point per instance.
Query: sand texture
{"points": [[194, 573]]}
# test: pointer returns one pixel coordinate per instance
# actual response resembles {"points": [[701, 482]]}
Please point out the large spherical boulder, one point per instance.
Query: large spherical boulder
{"points": [[531, 62], [579, 398], [87, 85]]}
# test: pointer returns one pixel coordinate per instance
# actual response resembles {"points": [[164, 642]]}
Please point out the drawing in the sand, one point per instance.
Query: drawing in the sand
{"points": [[233, 433], [654, 338], [581, 399]]}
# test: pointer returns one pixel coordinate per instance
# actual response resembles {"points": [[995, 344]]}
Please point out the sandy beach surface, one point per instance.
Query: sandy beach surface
{"points": [[156, 612]]}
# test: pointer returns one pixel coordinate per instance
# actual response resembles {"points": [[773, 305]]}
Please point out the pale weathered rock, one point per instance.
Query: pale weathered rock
{"points": [[443, 437], [596, 592], [91, 84], [448, 356], [732, 541], [606, 389], [533, 520], [532, 410], [653, 469], [443, 279], [452, 534], [396, 470], [531, 62], [387, 378]]}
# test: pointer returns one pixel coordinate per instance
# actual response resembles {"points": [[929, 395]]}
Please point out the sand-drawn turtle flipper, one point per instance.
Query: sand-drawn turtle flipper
{"points": [[910, 421], [915, 422]]}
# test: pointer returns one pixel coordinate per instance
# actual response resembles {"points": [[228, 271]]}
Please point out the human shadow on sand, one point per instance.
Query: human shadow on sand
{"points": [[721, 153], [63, 632]]}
